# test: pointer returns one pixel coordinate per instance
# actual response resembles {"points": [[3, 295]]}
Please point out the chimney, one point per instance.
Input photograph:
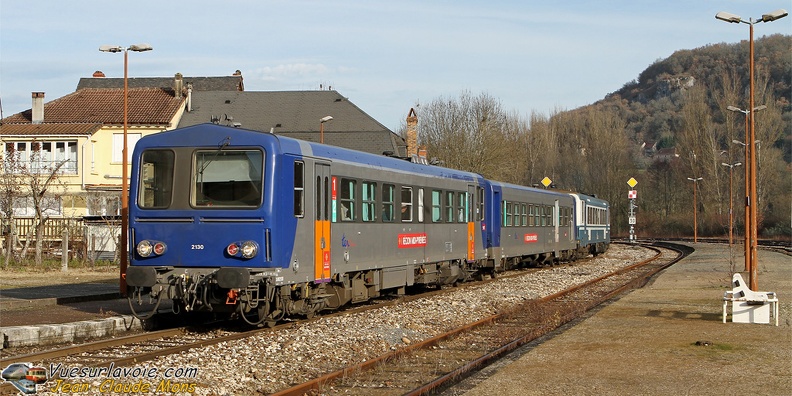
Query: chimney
{"points": [[189, 97], [98, 74], [178, 85], [412, 133], [38, 108], [240, 84]]}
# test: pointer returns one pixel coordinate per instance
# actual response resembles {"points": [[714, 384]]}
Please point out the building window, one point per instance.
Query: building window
{"points": [[50, 206], [118, 146], [43, 156]]}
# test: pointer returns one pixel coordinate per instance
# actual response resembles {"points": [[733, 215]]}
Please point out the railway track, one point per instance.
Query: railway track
{"points": [[442, 361], [141, 348]]}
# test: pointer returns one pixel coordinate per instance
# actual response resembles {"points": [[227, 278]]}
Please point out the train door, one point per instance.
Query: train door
{"points": [[556, 221], [322, 222], [473, 213], [556, 224]]}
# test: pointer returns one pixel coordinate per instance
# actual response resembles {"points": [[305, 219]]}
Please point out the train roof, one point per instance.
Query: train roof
{"points": [[590, 199], [531, 189], [207, 135]]}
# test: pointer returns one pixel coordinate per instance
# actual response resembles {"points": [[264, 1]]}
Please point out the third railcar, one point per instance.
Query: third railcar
{"points": [[263, 226]]}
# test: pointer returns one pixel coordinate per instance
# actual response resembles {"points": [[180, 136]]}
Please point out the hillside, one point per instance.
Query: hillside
{"points": [[652, 105]]}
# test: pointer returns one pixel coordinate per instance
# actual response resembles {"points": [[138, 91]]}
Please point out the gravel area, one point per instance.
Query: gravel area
{"points": [[272, 361]]}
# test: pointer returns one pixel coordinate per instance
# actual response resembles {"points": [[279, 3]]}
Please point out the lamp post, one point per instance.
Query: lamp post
{"points": [[321, 127], [748, 201], [124, 160], [695, 208], [731, 18], [731, 200]]}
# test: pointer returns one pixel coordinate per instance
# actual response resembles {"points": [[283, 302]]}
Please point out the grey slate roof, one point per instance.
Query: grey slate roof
{"points": [[225, 83], [296, 114]]}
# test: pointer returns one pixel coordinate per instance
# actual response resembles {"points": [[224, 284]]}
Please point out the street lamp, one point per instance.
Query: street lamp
{"points": [[695, 208], [321, 127], [124, 160], [747, 113], [731, 200], [731, 18]]}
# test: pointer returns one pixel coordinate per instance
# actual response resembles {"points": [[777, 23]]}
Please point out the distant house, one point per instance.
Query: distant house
{"points": [[295, 114], [666, 155], [176, 83], [85, 129]]}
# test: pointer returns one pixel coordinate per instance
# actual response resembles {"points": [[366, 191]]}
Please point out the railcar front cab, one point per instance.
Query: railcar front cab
{"points": [[207, 204]]}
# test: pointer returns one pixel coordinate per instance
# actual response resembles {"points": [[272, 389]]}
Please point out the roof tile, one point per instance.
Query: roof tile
{"points": [[146, 106]]}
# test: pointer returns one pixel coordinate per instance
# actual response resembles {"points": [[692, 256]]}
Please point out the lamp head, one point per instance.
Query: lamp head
{"points": [[140, 47], [111, 48], [777, 14], [325, 119], [728, 17]]}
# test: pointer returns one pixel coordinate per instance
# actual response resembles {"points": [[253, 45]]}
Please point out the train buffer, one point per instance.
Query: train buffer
{"points": [[749, 306]]}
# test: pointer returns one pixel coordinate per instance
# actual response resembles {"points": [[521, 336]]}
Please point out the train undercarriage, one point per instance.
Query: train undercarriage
{"points": [[255, 297]]}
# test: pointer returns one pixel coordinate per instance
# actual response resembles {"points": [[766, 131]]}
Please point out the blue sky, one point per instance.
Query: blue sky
{"points": [[385, 56]]}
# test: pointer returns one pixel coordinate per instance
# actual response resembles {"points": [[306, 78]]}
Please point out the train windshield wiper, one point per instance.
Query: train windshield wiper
{"points": [[222, 145]]}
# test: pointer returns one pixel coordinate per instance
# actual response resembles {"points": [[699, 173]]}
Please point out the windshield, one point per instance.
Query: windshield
{"points": [[224, 178], [156, 179]]}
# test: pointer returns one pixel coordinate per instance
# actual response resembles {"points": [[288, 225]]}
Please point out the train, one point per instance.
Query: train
{"points": [[263, 227]]}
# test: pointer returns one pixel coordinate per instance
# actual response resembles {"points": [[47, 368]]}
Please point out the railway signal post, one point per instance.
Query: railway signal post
{"points": [[632, 195]]}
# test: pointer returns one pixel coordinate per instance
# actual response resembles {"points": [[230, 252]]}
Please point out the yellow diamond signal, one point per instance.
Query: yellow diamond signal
{"points": [[632, 182], [546, 181]]}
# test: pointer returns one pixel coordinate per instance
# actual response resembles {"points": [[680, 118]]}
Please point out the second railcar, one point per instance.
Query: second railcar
{"points": [[529, 226]]}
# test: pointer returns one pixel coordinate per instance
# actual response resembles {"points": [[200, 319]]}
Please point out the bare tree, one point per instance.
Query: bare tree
{"points": [[37, 179], [471, 133], [10, 194]]}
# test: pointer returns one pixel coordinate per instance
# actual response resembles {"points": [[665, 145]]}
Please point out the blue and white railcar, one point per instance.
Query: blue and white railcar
{"points": [[592, 224]]}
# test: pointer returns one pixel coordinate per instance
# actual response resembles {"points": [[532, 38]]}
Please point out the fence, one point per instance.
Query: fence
{"points": [[53, 228], [93, 237]]}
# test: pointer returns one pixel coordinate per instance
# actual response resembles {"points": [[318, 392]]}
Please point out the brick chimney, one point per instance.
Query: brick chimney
{"points": [[38, 108], [178, 85], [412, 133]]}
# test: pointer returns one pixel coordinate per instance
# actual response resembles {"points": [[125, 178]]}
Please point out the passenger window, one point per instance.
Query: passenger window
{"points": [[387, 202], [449, 206], [347, 198], [299, 189], [406, 204], [437, 211], [462, 210], [420, 205], [369, 201]]}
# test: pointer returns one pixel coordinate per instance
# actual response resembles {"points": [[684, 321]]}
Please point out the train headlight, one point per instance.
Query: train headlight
{"points": [[151, 248], [148, 248], [144, 248], [249, 249], [246, 249]]}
